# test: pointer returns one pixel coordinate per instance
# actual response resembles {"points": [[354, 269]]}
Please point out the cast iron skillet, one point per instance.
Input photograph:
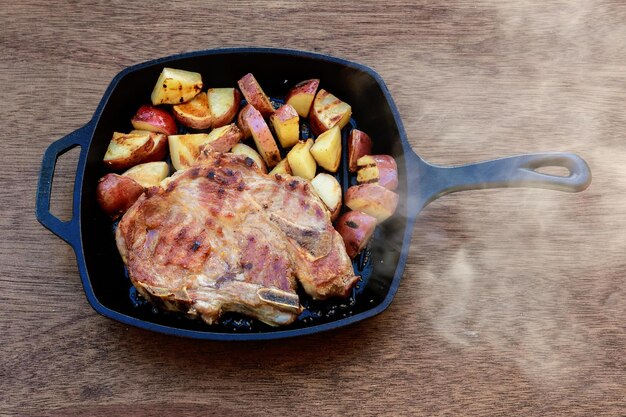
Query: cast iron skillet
{"points": [[89, 232]]}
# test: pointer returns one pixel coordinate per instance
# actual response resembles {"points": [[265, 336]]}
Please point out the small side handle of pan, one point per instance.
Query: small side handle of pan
{"points": [[66, 230], [514, 171]]}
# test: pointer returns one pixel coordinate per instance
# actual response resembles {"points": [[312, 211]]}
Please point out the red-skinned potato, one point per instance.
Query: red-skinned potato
{"points": [[154, 119], [328, 111], [128, 149], [359, 144], [372, 199], [254, 95], [222, 139], [356, 229], [301, 96], [149, 174], [381, 169], [328, 190], [223, 104], [263, 139], [245, 150], [116, 193], [241, 123], [194, 113]]}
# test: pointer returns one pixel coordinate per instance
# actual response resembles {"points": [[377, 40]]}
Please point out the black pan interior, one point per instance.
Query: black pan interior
{"points": [[276, 73]]}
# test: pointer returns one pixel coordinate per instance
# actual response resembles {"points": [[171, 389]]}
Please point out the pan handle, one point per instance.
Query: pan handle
{"points": [[66, 230], [515, 171]]}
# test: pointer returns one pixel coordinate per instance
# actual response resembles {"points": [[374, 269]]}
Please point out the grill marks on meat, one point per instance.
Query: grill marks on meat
{"points": [[221, 236]]}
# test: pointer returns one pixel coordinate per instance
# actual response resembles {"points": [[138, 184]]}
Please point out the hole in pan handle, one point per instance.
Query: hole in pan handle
{"points": [[66, 230], [515, 171]]}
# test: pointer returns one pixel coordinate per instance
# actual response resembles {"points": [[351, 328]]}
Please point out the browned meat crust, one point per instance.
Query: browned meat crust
{"points": [[222, 236]]}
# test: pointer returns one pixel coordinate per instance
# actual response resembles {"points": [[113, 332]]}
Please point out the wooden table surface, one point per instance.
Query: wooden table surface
{"points": [[513, 301]]}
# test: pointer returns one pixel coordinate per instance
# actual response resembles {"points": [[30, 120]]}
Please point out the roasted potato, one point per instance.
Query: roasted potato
{"points": [[329, 191], [116, 193], [381, 169], [254, 95], [243, 149], [301, 161], [194, 113], [372, 199], [327, 149], [154, 119], [148, 174], [222, 139], [176, 86], [263, 139], [184, 149], [128, 149], [241, 123], [223, 104], [327, 112], [356, 228], [359, 144], [286, 125], [282, 168], [301, 96]]}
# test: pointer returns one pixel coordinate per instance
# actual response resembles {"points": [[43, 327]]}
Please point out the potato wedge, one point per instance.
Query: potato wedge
{"points": [[128, 149], [223, 104], [149, 174], [301, 96], [263, 139], [328, 111], [381, 169], [254, 95], [154, 119], [116, 193], [241, 123], [222, 139], [286, 123], [194, 113], [327, 149], [356, 228], [372, 199], [176, 86], [184, 149], [359, 144], [301, 161], [243, 149], [329, 191], [281, 168]]}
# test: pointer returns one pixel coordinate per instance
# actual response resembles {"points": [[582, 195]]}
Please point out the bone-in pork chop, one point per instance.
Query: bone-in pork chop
{"points": [[222, 236]]}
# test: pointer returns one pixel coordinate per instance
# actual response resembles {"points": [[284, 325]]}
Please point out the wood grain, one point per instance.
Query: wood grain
{"points": [[513, 301]]}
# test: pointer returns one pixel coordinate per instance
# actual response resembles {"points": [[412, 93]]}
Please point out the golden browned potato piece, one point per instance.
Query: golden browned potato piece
{"points": [[149, 174], [328, 111], [223, 103], [286, 124], [301, 96], [301, 161], [282, 168], [372, 199], [241, 123], [329, 191], [116, 193], [194, 113], [222, 139], [176, 86], [381, 169], [184, 149], [327, 149], [128, 149], [243, 149], [254, 95]]}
